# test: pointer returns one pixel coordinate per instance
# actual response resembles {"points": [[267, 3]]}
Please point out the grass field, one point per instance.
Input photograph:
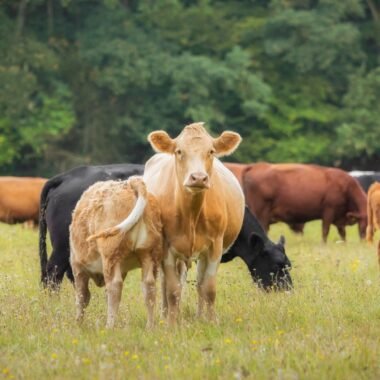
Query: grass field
{"points": [[327, 328]]}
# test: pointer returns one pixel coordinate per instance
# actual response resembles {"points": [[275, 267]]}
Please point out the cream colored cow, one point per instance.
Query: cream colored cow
{"points": [[202, 208], [112, 233]]}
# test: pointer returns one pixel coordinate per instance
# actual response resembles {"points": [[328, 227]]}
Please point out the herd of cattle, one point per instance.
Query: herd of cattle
{"points": [[184, 205]]}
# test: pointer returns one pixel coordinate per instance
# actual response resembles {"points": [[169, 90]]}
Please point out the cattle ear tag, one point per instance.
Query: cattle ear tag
{"points": [[226, 143], [161, 142]]}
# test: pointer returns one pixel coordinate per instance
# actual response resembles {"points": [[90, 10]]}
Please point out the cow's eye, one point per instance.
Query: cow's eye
{"points": [[178, 152], [212, 152]]}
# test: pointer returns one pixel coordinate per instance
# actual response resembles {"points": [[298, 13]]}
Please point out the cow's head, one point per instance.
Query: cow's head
{"points": [[353, 217], [270, 267], [194, 151]]}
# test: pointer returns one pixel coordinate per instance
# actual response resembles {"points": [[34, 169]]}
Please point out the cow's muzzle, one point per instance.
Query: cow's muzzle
{"points": [[198, 180]]}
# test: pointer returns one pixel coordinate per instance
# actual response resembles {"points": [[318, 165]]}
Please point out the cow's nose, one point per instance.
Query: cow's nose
{"points": [[198, 179]]}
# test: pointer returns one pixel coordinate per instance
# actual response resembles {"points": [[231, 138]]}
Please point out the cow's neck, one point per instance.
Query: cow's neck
{"points": [[189, 206]]}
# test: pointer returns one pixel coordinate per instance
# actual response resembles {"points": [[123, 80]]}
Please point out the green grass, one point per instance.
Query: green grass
{"points": [[327, 328]]}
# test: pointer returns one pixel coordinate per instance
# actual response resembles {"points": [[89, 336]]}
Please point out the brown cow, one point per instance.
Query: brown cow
{"points": [[238, 169], [202, 208], [297, 193], [20, 199], [130, 237]]}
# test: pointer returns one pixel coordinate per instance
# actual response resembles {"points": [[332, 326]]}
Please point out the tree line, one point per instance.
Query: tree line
{"points": [[85, 81]]}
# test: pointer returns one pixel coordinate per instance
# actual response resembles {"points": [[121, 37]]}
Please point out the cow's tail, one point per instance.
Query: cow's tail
{"points": [[42, 226], [138, 185]]}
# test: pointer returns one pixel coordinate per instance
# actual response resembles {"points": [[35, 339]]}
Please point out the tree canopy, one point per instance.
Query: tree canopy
{"points": [[85, 81]]}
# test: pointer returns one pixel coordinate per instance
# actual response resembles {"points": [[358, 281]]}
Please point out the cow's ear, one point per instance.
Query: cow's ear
{"points": [[161, 142], [226, 143], [281, 241], [256, 242]]}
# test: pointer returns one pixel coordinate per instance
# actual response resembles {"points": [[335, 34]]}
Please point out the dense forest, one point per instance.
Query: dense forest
{"points": [[85, 81]]}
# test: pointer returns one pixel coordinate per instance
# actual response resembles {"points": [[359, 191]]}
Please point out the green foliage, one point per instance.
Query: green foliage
{"points": [[85, 81]]}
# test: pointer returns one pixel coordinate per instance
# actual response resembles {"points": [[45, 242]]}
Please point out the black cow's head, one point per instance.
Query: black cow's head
{"points": [[270, 265]]}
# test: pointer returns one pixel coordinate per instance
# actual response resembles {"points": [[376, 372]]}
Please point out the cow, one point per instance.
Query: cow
{"points": [[373, 211], [267, 261], [298, 193], [58, 199], [365, 178], [202, 206], [62, 192], [20, 199], [238, 169], [116, 227]]}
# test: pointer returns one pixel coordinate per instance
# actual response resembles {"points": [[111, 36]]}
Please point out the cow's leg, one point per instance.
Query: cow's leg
{"points": [[164, 300], [82, 292], [57, 265], [342, 232], [208, 287], [327, 219], [201, 269], [173, 288], [149, 272], [114, 285]]}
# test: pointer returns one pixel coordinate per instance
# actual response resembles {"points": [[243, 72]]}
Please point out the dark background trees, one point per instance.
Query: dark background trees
{"points": [[85, 81]]}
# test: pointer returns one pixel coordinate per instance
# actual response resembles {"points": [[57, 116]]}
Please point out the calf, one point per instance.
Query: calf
{"points": [[130, 237], [267, 262]]}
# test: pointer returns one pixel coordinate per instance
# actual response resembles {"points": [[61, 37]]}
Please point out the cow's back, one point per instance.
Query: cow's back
{"points": [[286, 189]]}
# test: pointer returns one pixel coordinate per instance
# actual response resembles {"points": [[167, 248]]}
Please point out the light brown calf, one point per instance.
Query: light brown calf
{"points": [[373, 211], [130, 237]]}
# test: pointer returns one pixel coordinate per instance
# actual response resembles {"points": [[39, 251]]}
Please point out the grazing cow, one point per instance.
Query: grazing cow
{"points": [[58, 199], [366, 178], [266, 261], [202, 206], [20, 199], [116, 227], [373, 210], [296, 193]]}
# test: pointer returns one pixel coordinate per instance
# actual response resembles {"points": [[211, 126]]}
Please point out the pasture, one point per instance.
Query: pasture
{"points": [[327, 328]]}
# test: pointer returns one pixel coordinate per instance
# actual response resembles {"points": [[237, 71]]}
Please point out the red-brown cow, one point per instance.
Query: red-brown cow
{"points": [[20, 199], [238, 170], [296, 193]]}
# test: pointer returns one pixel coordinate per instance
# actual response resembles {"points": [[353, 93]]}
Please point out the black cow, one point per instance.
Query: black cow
{"points": [[267, 262], [366, 179]]}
